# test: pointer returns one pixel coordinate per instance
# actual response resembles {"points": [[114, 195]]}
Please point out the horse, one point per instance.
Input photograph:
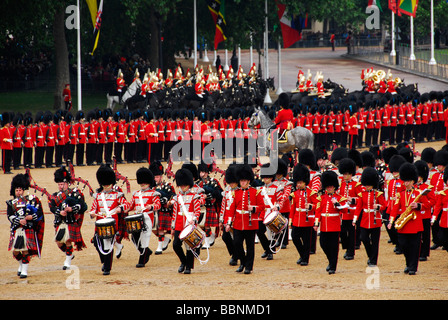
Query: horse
{"points": [[298, 138], [131, 91]]}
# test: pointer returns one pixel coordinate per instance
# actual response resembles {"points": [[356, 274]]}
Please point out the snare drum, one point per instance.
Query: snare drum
{"points": [[192, 235], [275, 222], [105, 228], [134, 223]]}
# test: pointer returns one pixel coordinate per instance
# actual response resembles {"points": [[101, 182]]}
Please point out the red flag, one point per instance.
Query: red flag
{"points": [[289, 34]]}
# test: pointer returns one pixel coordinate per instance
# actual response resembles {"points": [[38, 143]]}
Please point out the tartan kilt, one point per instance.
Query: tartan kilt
{"points": [[165, 220], [211, 217], [74, 233], [32, 234]]}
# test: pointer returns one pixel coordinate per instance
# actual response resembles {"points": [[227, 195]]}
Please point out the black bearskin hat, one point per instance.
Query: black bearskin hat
{"points": [[19, 181], [192, 168], [407, 154], [184, 177], [388, 153], [105, 175], [266, 171], [144, 175], [355, 155], [339, 154], [408, 172], [368, 159], [301, 173], [231, 176], [245, 173], [329, 178], [203, 167], [282, 167], [370, 177], [307, 157], [62, 175], [428, 155], [283, 100], [376, 151], [156, 168], [441, 158], [347, 165], [395, 163], [422, 169]]}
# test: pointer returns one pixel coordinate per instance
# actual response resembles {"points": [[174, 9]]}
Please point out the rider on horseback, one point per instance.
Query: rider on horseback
{"points": [[120, 85], [284, 116]]}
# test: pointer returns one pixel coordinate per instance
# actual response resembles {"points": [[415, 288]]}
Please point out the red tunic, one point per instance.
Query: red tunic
{"points": [[241, 218]]}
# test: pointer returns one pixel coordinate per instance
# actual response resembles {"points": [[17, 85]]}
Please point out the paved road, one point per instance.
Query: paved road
{"points": [[333, 65]]}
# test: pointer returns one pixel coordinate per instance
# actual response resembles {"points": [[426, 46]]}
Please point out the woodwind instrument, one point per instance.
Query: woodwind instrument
{"points": [[409, 213]]}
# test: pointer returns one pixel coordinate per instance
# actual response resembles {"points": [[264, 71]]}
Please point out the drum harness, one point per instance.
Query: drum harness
{"points": [[264, 192], [187, 214]]}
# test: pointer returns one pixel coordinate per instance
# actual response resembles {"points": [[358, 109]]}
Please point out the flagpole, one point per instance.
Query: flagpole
{"points": [[267, 98], [392, 51], [195, 35], [433, 60], [250, 52], [279, 90], [412, 56], [78, 33]]}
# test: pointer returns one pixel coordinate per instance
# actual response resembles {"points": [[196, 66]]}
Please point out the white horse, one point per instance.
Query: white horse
{"points": [[131, 91], [297, 138]]}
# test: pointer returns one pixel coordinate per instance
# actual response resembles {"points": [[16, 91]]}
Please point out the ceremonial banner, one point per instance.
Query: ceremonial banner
{"points": [[95, 14], [290, 33], [407, 7], [213, 6], [221, 25]]}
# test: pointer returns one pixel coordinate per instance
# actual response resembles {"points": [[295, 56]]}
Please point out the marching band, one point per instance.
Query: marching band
{"points": [[338, 196]]}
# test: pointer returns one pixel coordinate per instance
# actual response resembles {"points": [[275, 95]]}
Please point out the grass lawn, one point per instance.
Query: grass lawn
{"points": [[41, 101]]}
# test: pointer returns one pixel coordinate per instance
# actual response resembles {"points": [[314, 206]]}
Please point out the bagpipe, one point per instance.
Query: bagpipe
{"points": [[166, 194], [79, 179], [33, 185], [121, 177], [212, 191]]}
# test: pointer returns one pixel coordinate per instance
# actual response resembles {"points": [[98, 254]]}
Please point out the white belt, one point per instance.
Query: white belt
{"points": [[330, 214], [369, 210], [301, 210], [445, 209], [243, 211]]}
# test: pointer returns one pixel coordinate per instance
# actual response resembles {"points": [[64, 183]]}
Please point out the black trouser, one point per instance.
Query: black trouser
{"points": [[375, 134], [17, 157], [344, 136], [348, 237], [90, 153], [49, 152], [301, 237], [39, 157], [261, 233], [59, 154], [70, 152], [228, 241], [6, 160], [144, 253], [99, 153], [393, 133], [27, 156], [371, 240], [80, 154], [141, 150], [118, 151], [186, 259], [368, 137], [108, 152], [329, 242], [426, 238], [130, 152], [410, 244], [239, 237], [106, 259], [360, 137], [400, 133]]}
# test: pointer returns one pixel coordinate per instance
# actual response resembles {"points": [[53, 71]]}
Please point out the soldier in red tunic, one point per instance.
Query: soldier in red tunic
{"points": [[409, 236], [370, 204], [186, 211], [284, 116], [66, 93], [301, 217], [329, 209], [244, 216]]}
